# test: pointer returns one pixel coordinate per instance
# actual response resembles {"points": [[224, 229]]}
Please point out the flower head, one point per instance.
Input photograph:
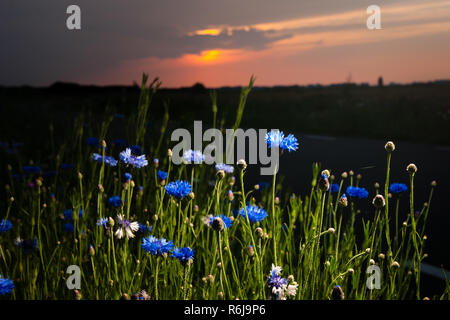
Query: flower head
{"points": [[162, 175], [193, 156], [110, 161], [128, 176], [145, 228], [6, 286], [133, 160], [334, 187], [68, 227], [356, 192], [5, 225], [276, 138], [103, 222], [226, 222], [226, 168], [68, 214], [127, 227], [254, 213], [398, 188], [115, 201], [178, 189], [156, 246], [183, 254], [281, 287], [289, 143]]}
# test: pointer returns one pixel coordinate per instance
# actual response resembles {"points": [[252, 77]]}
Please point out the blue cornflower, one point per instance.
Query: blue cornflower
{"points": [[254, 213], [103, 222], [31, 169], [275, 280], [193, 156], [119, 116], [183, 254], [226, 221], [115, 201], [274, 138], [289, 143], [398, 188], [92, 141], [334, 187], [110, 161], [356, 192], [128, 176], [224, 167], [68, 214], [178, 189], [68, 227], [156, 246], [67, 166], [162, 175], [145, 228], [6, 285], [5, 226], [135, 161]]}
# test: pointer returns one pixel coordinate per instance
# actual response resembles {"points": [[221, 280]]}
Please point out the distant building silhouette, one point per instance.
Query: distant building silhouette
{"points": [[380, 81]]}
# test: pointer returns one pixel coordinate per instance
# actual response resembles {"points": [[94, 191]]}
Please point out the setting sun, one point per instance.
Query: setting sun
{"points": [[210, 55], [210, 32]]}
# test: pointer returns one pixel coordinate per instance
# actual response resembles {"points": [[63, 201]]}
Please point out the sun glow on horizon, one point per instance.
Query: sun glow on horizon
{"points": [[211, 57], [207, 32]]}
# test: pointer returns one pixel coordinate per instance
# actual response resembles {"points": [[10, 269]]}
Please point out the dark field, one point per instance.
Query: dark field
{"points": [[415, 113]]}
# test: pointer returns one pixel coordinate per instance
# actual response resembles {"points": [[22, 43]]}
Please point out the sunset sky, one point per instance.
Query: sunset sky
{"points": [[222, 43]]}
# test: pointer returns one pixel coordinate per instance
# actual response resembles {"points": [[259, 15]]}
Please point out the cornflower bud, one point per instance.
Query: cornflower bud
{"points": [[242, 164], [379, 201], [337, 293], [390, 146], [411, 168]]}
